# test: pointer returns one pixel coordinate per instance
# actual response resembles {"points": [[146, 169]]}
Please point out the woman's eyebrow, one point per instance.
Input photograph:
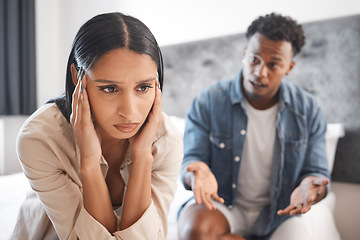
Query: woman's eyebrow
{"points": [[106, 81], [117, 82], [146, 80]]}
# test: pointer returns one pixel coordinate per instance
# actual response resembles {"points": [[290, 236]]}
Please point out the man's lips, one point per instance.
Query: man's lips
{"points": [[257, 84], [126, 128]]}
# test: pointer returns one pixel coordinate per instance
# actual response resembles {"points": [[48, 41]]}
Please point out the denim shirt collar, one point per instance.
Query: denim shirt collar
{"points": [[236, 95], [284, 96]]}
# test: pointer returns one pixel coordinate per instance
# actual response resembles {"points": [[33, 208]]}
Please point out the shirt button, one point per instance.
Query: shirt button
{"points": [[237, 159], [230, 206], [233, 185], [222, 145], [243, 132]]}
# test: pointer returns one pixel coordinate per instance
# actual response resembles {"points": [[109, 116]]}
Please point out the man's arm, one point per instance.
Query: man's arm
{"points": [[196, 174], [314, 177], [203, 183]]}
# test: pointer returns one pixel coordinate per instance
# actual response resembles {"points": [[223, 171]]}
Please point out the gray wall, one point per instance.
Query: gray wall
{"points": [[328, 67]]}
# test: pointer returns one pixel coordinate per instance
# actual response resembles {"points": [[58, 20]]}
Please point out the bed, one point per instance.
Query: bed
{"points": [[328, 67], [13, 189]]}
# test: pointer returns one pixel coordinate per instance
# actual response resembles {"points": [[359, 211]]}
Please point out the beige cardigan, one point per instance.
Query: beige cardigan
{"points": [[50, 159]]}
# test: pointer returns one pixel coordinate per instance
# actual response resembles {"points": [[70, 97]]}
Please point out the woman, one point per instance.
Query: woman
{"points": [[103, 159]]}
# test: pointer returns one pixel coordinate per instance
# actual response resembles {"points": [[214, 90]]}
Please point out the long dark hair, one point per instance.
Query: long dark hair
{"points": [[98, 36]]}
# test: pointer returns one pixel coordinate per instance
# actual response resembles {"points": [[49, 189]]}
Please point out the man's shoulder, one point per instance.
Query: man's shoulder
{"points": [[294, 92], [220, 88], [297, 97]]}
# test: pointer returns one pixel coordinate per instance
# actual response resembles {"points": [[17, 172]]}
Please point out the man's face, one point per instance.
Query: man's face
{"points": [[266, 62]]}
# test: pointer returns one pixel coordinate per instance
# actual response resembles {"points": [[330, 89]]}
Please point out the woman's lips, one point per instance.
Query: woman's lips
{"points": [[126, 128]]}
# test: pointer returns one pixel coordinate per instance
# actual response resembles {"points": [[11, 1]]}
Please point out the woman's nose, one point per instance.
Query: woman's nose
{"points": [[127, 107]]}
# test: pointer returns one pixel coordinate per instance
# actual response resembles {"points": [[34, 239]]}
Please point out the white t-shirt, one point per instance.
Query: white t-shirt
{"points": [[255, 169]]}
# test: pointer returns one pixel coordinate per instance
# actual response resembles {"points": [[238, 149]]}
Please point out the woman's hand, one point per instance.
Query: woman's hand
{"points": [[142, 159], [81, 119], [142, 142], [95, 192]]}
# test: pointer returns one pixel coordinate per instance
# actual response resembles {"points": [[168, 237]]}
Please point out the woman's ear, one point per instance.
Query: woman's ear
{"points": [[73, 74]]}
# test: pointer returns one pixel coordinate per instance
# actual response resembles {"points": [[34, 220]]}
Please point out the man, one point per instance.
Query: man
{"points": [[254, 146]]}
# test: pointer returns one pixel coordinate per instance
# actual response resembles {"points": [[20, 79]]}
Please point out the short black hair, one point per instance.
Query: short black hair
{"points": [[278, 28]]}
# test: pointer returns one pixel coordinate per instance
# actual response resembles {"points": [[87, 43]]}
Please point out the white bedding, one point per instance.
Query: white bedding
{"points": [[13, 190]]}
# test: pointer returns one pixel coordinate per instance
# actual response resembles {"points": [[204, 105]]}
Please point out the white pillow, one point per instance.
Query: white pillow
{"points": [[179, 123], [333, 133]]}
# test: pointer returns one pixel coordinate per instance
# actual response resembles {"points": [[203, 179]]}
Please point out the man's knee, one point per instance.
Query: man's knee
{"points": [[197, 222]]}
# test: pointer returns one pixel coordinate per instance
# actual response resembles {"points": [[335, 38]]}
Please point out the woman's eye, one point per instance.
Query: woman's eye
{"points": [[108, 89], [144, 88]]}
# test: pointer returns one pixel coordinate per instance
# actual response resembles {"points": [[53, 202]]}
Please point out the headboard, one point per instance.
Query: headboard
{"points": [[328, 67]]}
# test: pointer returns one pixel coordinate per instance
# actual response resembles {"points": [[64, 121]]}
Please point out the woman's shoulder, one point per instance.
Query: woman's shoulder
{"points": [[169, 129], [168, 146], [44, 136], [169, 138], [46, 122]]}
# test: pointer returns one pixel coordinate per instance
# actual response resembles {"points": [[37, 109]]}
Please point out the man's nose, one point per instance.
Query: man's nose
{"points": [[260, 70]]}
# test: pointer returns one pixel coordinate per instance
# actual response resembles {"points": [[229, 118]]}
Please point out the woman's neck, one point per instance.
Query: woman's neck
{"points": [[114, 150]]}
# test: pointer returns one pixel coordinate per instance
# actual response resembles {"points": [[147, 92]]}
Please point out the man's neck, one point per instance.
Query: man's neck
{"points": [[262, 104]]}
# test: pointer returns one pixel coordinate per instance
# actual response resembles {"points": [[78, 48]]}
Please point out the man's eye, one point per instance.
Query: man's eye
{"points": [[272, 65], [254, 60]]}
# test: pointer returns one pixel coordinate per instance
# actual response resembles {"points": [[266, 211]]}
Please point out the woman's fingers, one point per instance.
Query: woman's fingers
{"points": [[145, 138], [85, 106], [158, 98], [155, 114], [75, 104], [81, 112]]}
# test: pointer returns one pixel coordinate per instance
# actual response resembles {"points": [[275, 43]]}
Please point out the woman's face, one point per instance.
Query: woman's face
{"points": [[121, 89]]}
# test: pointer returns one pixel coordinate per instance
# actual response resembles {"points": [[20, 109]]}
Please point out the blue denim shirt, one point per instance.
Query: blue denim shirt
{"points": [[215, 133]]}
